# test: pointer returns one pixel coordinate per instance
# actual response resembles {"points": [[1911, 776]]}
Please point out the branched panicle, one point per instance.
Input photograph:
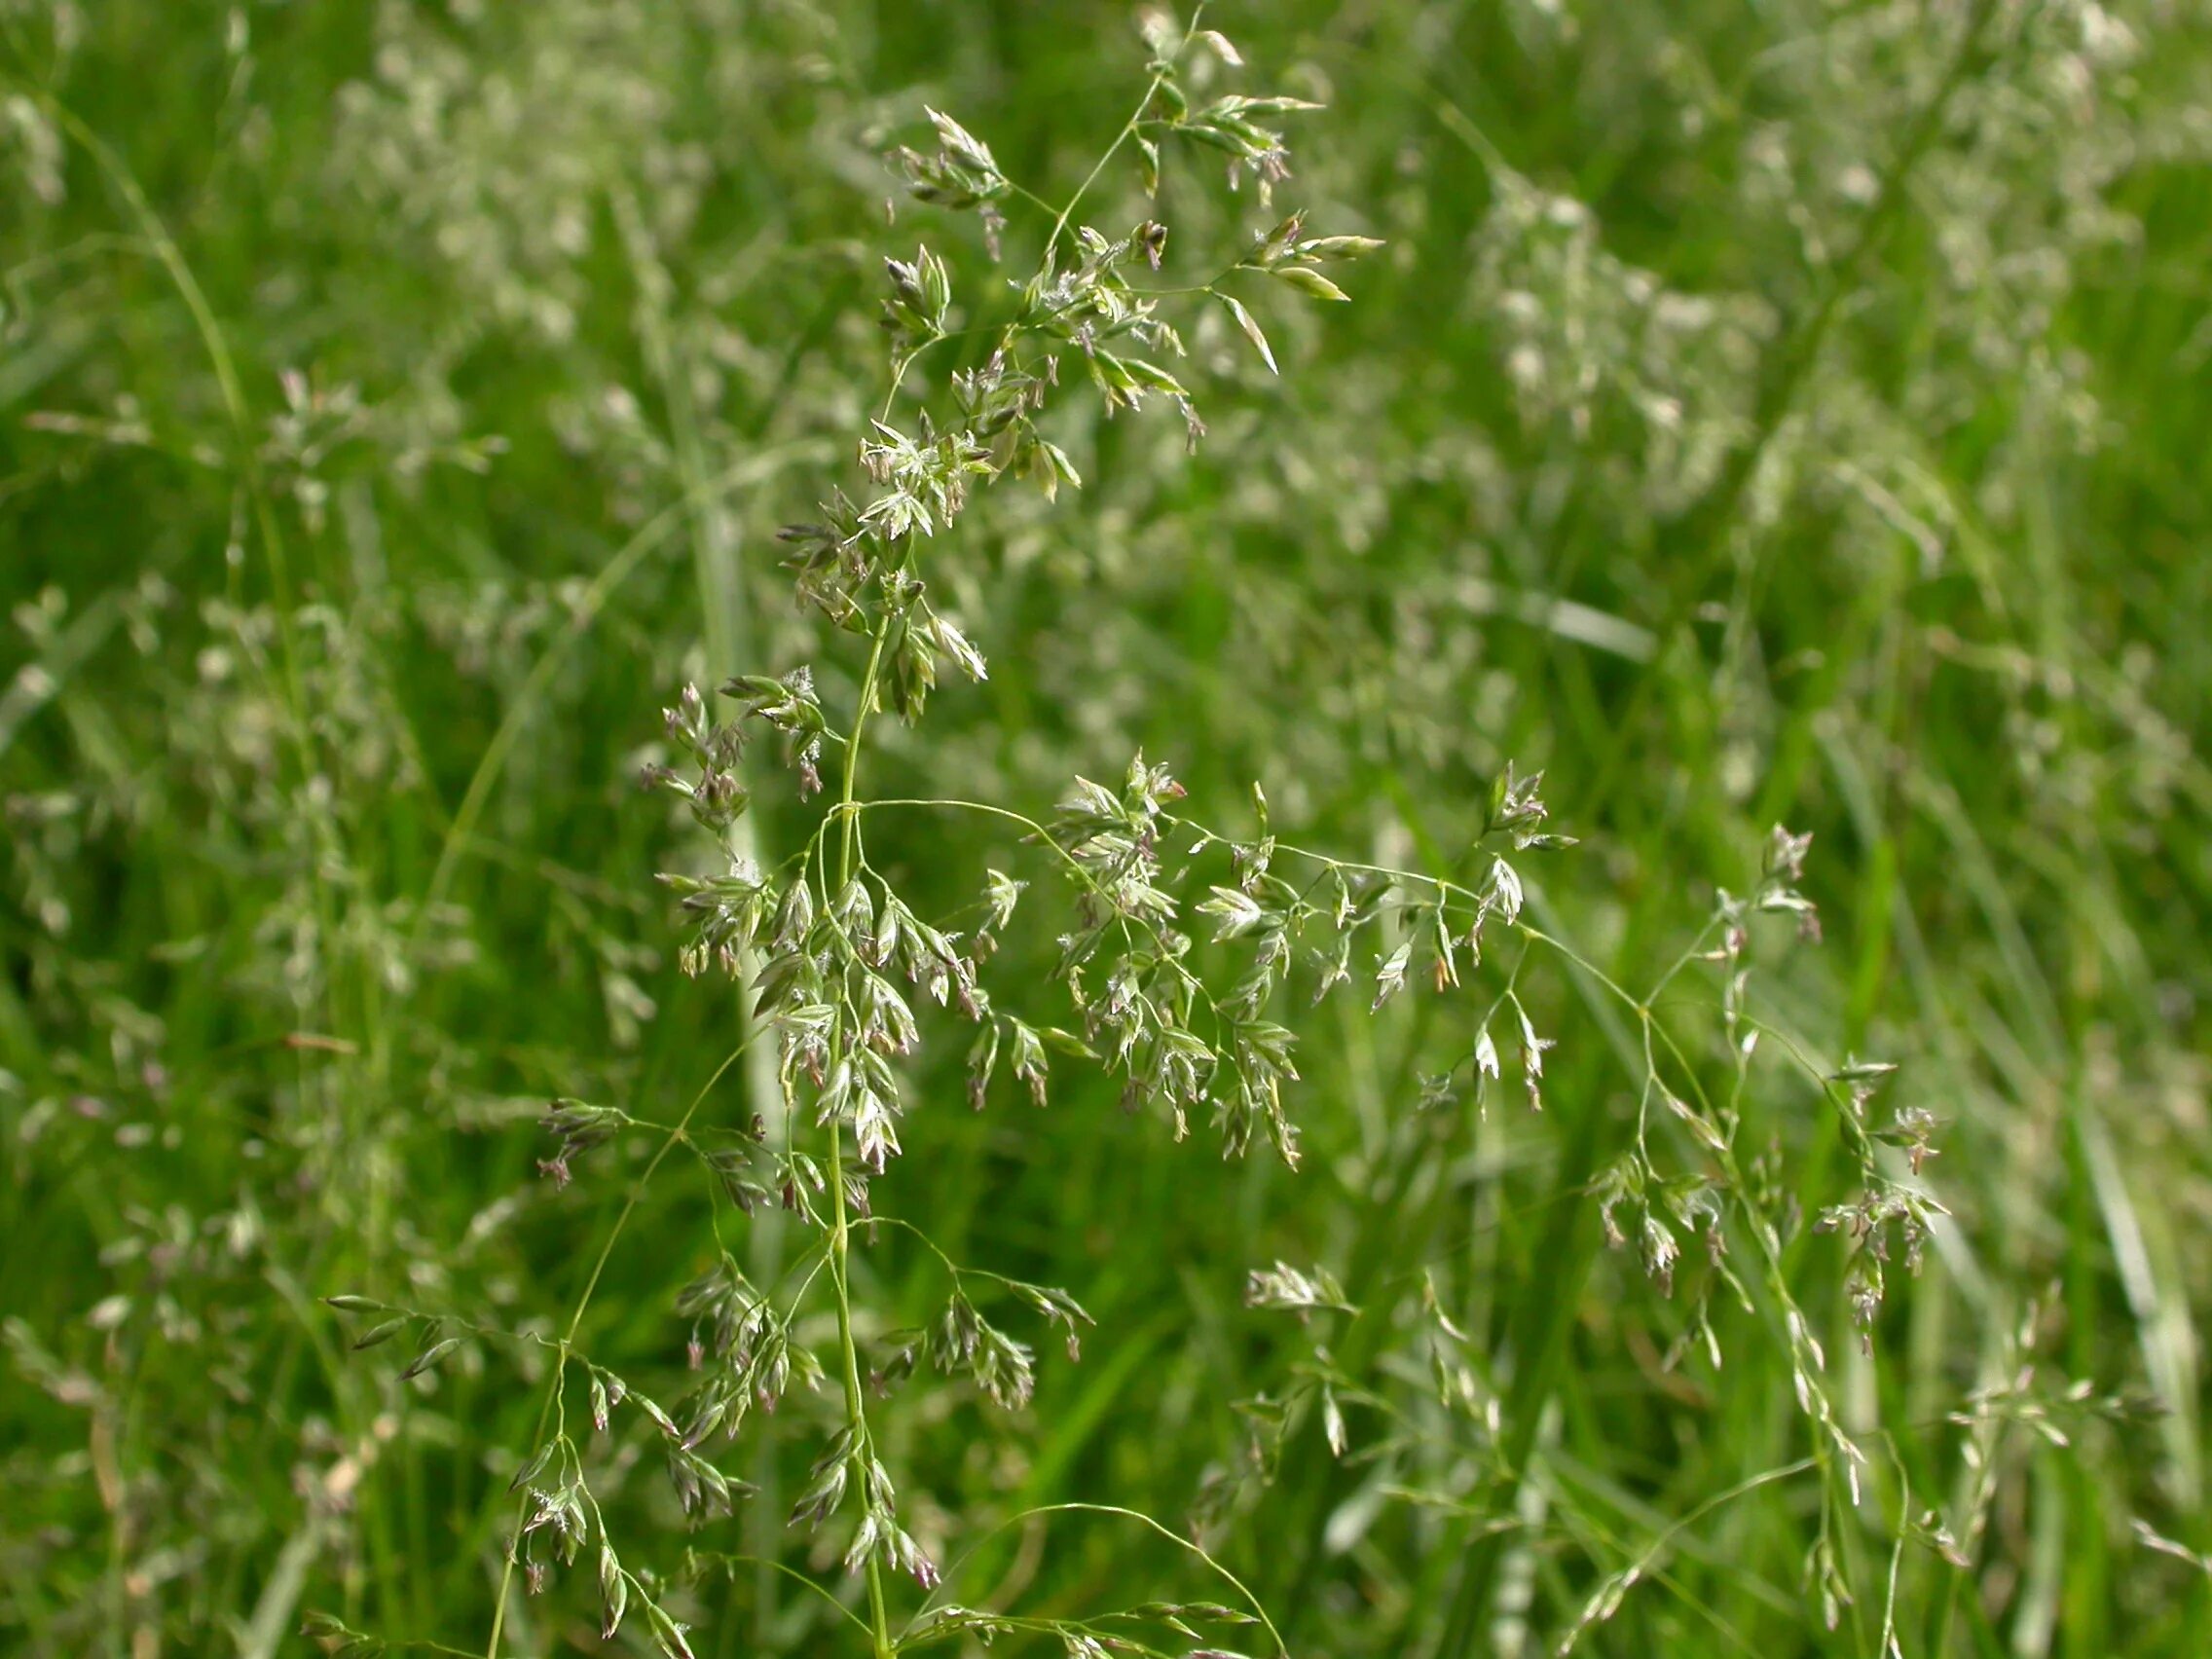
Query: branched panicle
{"points": [[1500, 1247], [1186, 954], [1683, 1211], [842, 969]]}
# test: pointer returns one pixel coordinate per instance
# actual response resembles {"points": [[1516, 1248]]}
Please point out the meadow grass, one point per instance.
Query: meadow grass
{"points": [[1751, 417]]}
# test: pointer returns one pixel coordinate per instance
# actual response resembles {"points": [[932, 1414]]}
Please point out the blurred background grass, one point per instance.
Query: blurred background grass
{"points": [[1793, 411]]}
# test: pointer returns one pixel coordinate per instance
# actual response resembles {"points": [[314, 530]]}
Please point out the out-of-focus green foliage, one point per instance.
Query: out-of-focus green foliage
{"points": [[1793, 414]]}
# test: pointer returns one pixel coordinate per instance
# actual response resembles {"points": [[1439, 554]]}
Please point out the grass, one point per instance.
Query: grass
{"points": [[1792, 415]]}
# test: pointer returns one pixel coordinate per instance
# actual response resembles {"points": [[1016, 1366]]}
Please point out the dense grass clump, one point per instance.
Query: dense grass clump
{"points": [[1420, 856]]}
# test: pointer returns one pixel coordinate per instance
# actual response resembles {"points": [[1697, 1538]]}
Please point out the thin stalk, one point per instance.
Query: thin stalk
{"points": [[1061, 224], [840, 1233], [845, 809], [567, 1341], [856, 1412]]}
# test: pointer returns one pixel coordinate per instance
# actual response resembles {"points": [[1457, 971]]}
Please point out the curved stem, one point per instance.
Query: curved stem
{"points": [[567, 1341], [1121, 137], [1116, 1511]]}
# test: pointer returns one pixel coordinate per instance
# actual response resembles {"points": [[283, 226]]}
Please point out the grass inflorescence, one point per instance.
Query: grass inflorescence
{"points": [[1445, 905]]}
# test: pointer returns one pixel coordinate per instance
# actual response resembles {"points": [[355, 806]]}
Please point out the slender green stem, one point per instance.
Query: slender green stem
{"points": [[840, 1234], [845, 810], [583, 1301], [1140, 1519], [856, 1412], [779, 1569], [849, 858], [1121, 137]]}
